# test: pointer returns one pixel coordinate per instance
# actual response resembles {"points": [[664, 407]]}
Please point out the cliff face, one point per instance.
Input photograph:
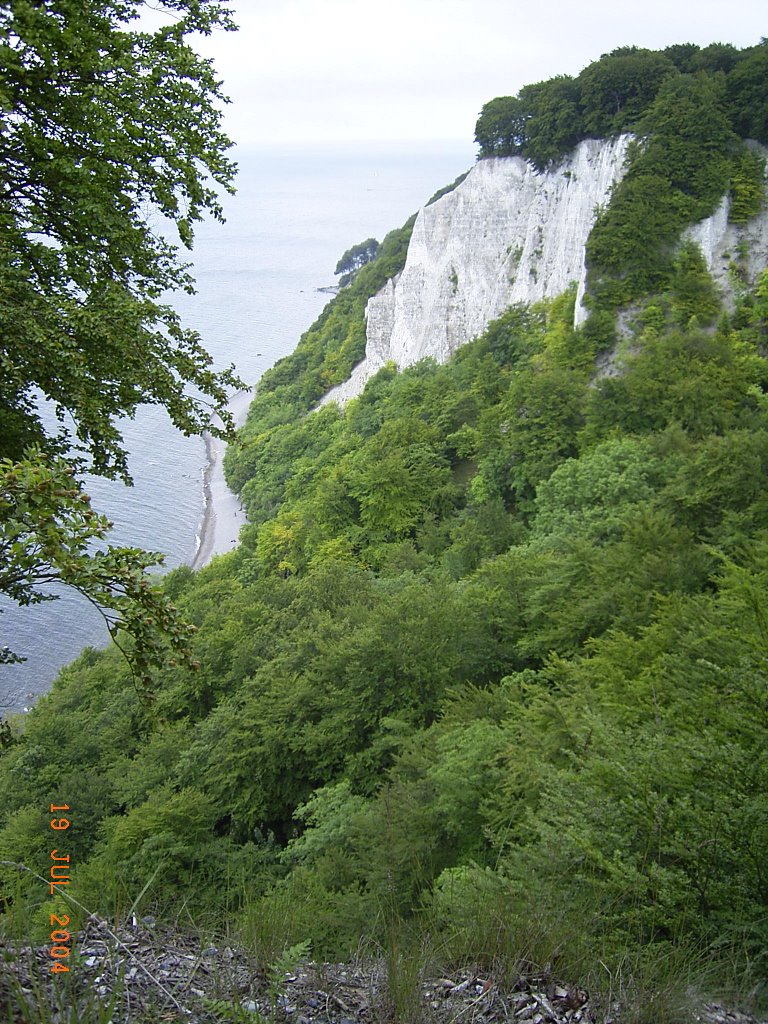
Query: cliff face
{"points": [[506, 234], [511, 234], [724, 245]]}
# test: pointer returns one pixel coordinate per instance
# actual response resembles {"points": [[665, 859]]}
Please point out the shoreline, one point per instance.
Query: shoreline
{"points": [[222, 515]]}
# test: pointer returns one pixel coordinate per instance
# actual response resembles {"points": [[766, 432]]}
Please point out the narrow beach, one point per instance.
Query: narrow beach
{"points": [[222, 513]]}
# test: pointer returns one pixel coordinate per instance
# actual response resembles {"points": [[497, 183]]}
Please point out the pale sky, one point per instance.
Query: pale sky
{"points": [[335, 70]]}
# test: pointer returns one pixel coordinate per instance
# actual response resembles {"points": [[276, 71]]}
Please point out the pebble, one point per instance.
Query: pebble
{"points": [[319, 994]]}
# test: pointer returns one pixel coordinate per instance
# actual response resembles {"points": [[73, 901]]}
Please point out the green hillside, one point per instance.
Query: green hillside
{"points": [[488, 669]]}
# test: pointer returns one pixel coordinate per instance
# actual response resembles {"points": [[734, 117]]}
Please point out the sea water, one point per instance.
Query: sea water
{"points": [[295, 212]]}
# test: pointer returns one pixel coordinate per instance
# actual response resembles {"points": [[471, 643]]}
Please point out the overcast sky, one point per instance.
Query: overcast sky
{"points": [[305, 70]]}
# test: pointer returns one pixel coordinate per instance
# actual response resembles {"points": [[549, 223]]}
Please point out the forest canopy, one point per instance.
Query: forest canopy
{"points": [[546, 120]]}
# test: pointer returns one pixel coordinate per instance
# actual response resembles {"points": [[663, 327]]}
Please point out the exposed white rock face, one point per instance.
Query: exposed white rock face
{"points": [[506, 234], [724, 244]]}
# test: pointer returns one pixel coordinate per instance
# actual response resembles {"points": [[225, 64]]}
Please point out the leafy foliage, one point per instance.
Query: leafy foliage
{"points": [[747, 188], [619, 88], [495, 628], [355, 258], [490, 657], [677, 176], [90, 160], [86, 153], [615, 94], [747, 93], [48, 534]]}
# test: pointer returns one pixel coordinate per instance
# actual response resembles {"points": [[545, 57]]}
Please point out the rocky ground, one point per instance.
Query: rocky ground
{"points": [[147, 975]]}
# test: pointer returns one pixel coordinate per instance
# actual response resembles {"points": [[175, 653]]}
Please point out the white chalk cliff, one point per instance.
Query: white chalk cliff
{"points": [[507, 234], [724, 244]]}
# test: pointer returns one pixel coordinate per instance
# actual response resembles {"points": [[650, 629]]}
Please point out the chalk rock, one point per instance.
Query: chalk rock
{"points": [[508, 233], [726, 246]]}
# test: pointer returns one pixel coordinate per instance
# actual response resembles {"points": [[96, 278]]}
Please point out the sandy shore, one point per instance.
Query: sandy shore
{"points": [[222, 513]]}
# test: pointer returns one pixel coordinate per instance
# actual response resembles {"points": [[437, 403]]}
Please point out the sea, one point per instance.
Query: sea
{"points": [[259, 279]]}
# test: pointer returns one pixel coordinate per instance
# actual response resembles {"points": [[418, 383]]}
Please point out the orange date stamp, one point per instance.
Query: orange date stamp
{"points": [[59, 875]]}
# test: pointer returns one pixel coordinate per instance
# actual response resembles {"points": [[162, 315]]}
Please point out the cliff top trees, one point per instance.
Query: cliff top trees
{"points": [[501, 127], [106, 130], [617, 89], [614, 94]]}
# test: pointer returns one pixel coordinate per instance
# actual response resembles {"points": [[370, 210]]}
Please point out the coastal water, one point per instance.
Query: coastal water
{"points": [[295, 213]]}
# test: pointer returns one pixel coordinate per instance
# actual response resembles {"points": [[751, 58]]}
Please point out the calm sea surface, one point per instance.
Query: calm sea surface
{"points": [[295, 213]]}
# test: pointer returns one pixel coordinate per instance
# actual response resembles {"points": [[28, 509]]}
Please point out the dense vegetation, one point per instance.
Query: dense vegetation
{"points": [[488, 665], [354, 258], [617, 93]]}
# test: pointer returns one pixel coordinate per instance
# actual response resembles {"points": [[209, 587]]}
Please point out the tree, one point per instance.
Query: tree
{"points": [[618, 88], [693, 290], [355, 258], [748, 93], [105, 129], [717, 57], [555, 125], [677, 175], [542, 123], [501, 127], [747, 187], [684, 56]]}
